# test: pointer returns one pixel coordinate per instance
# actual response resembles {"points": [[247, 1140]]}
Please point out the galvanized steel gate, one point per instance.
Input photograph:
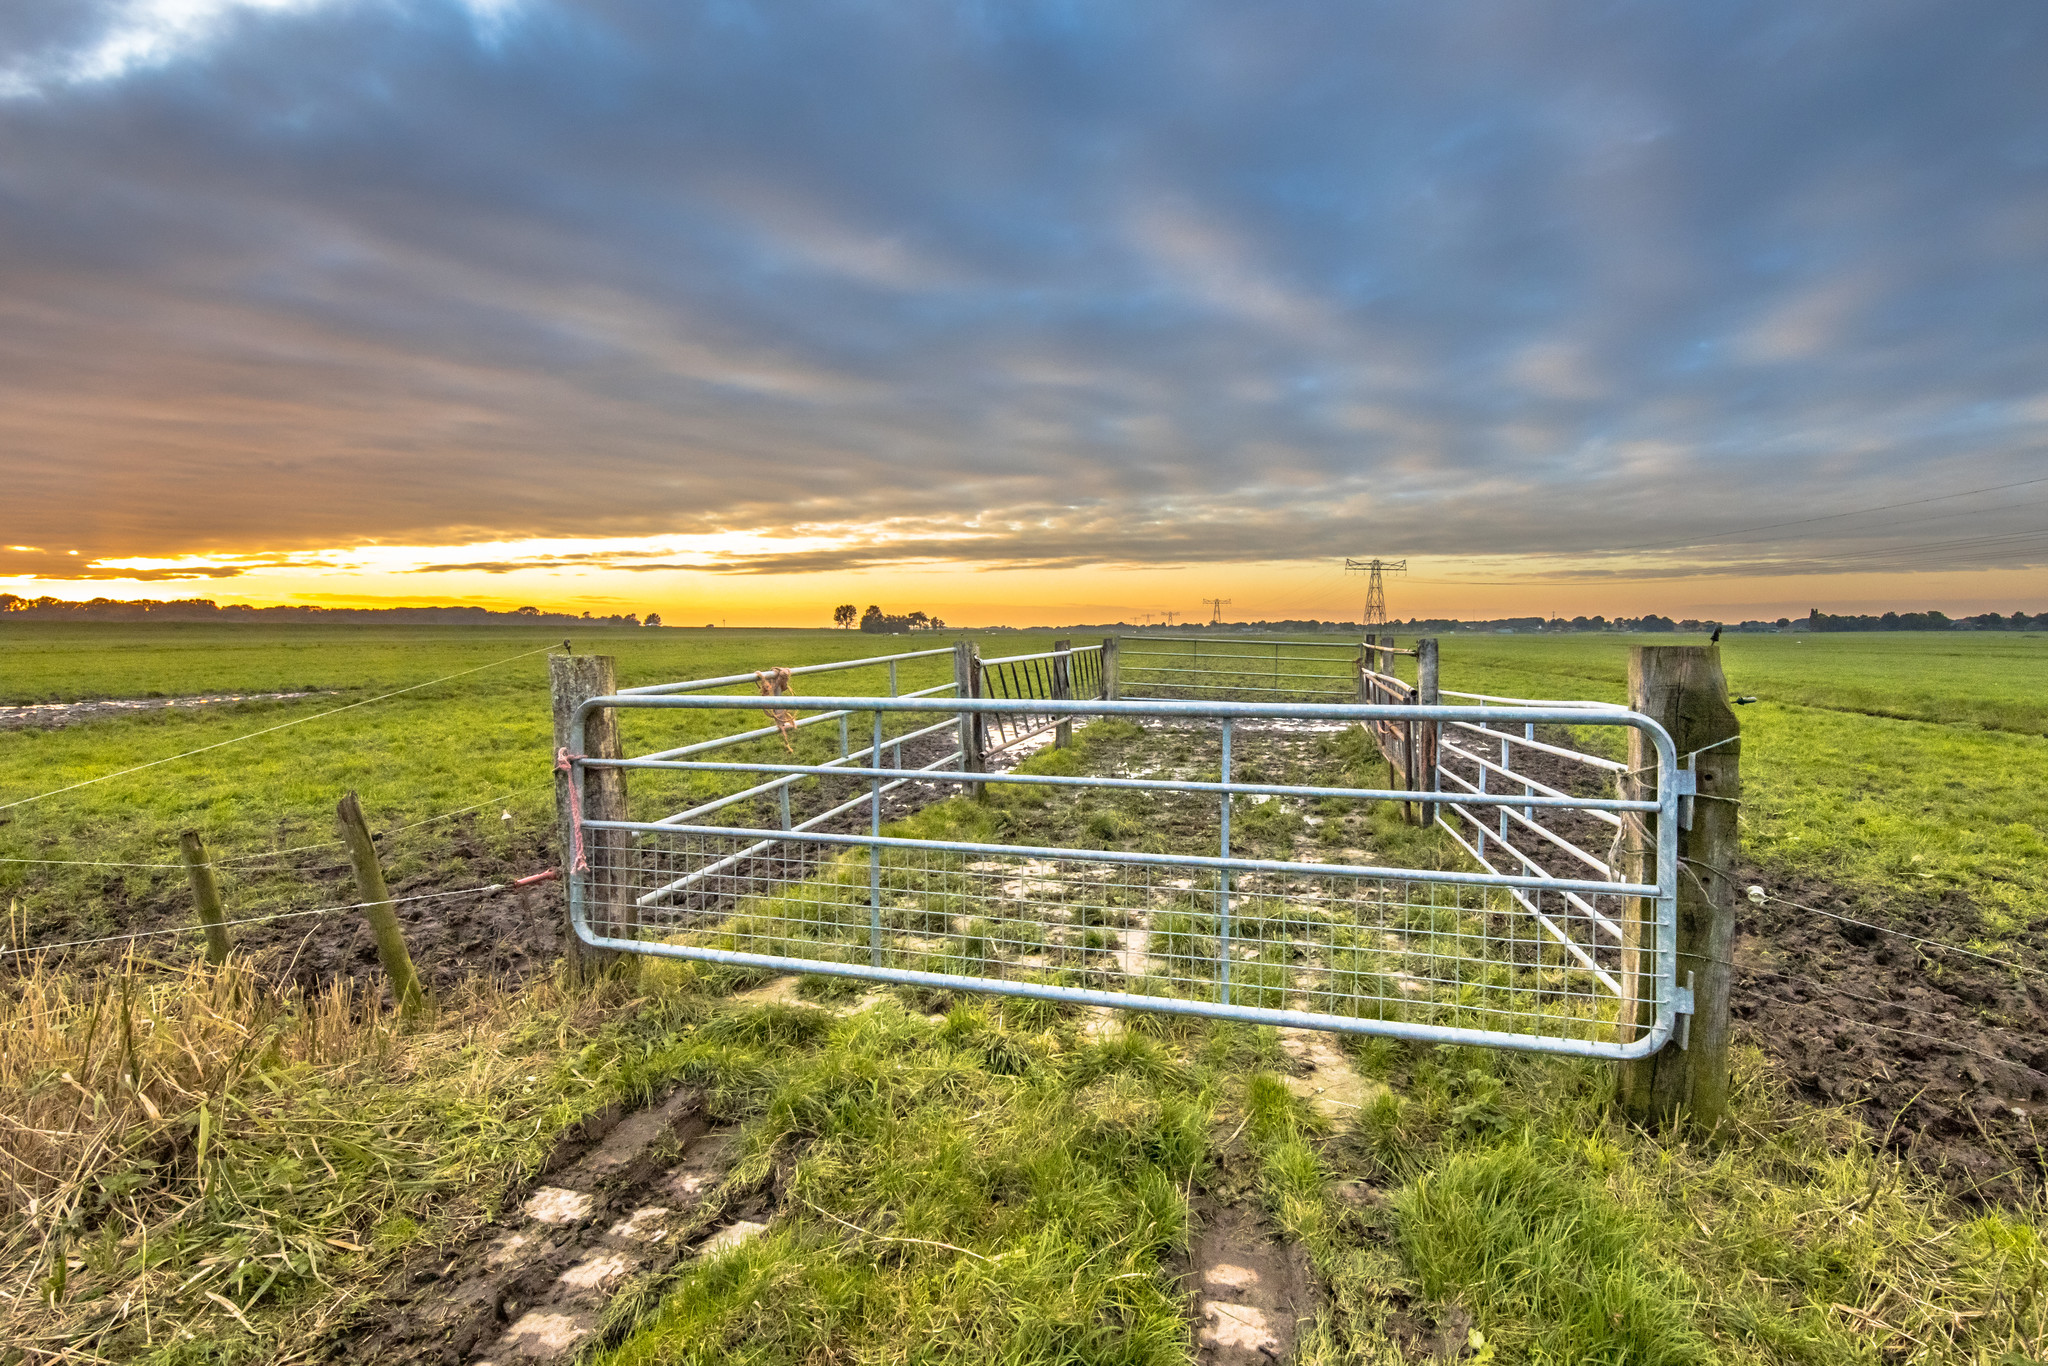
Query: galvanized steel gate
{"points": [[812, 855]]}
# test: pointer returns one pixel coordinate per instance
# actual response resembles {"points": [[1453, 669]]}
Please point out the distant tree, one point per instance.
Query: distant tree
{"points": [[844, 615], [653, 619], [872, 620], [528, 612]]}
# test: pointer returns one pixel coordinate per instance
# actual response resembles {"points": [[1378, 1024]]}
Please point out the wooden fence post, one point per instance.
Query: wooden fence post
{"points": [[1112, 686], [973, 732], [205, 891], [377, 908], [609, 909], [1428, 694], [1063, 688], [1682, 688]]}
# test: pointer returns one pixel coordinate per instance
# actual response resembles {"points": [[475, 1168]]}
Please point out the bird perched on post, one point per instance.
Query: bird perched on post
{"points": [[1716, 638]]}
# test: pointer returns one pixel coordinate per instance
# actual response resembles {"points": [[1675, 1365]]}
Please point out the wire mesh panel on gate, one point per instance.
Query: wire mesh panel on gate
{"points": [[1203, 895]]}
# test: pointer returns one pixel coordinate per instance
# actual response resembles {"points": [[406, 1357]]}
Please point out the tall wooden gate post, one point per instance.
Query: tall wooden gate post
{"points": [[1428, 694], [973, 731], [574, 680], [1063, 688], [1682, 688]]}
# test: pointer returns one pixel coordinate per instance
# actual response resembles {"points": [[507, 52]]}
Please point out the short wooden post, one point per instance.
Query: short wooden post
{"points": [[205, 891], [1428, 694], [1112, 686], [574, 680], [1682, 688], [377, 908], [966, 684], [1063, 688]]}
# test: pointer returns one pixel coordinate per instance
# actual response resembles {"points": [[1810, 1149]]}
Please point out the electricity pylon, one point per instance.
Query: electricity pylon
{"points": [[1171, 615], [1375, 592], [1216, 606]]}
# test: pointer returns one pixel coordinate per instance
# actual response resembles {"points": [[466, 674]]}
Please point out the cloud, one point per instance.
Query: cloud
{"points": [[1151, 284]]}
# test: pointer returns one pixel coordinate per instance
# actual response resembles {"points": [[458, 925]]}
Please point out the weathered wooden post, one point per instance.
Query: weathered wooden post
{"points": [[1428, 694], [205, 891], [609, 909], [1682, 688], [1112, 685], [377, 908], [1063, 688], [966, 684]]}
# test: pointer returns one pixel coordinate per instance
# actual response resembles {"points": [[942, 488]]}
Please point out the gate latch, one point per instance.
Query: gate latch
{"points": [[1685, 783], [1681, 1010]]}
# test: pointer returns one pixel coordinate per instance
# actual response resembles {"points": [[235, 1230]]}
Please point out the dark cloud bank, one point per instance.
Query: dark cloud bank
{"points": [[1149, 282]]}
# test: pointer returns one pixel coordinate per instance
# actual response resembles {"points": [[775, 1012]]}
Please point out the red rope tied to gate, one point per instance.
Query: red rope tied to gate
{"points": [[775, 683], [578, 864]]}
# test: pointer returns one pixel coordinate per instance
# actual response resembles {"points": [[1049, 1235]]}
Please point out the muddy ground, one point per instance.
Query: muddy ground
{"points": [[1945, 1056], [54, 715]]}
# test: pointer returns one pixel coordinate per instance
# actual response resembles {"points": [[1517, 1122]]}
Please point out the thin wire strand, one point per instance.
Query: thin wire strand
{"points": [[295, 721], [253, 920]]}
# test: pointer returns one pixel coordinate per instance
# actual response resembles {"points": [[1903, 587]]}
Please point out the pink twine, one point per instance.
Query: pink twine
{"points": [[562, 757]]}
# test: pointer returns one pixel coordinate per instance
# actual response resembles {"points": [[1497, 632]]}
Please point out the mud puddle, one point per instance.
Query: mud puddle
{"points": [[647, 1191], [52, 715]]}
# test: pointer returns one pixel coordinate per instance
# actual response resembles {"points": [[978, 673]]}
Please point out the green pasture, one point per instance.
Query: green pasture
{"points": [[969, 1180], [1902, 766], [481, 738]]}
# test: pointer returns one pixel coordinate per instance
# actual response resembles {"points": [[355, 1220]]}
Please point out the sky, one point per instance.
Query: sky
{"points": [[1026, 312]]}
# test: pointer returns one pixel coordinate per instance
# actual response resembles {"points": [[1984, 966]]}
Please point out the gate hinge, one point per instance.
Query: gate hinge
{"points": [[1681, 1010], [1685, 783]]}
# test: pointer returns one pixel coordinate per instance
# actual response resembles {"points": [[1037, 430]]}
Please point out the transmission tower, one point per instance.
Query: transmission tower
{"points": [[1148, 617], [1215, 606], [1171, 615], [1375, 591]]}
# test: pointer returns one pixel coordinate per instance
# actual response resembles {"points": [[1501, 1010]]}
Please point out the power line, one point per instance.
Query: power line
{"points": [[300, 720]]}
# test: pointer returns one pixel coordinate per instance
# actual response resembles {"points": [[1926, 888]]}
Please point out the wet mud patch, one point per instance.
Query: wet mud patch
{"points": [[1943, 1055], [53, 715], [626, 1199], [1251, 1290]]}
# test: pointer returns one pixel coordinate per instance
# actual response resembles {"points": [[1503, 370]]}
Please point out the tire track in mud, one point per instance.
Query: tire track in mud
{"points": [[645, 1192]]}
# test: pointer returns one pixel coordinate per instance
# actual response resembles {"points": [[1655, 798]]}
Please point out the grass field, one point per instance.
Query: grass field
{"points": [[245, 1163]]}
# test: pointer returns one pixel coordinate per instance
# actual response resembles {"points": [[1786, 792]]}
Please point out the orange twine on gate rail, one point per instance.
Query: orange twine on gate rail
{"points": [[775, 683]]}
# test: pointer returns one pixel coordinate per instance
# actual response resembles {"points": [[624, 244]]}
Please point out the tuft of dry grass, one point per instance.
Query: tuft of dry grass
{"points": [[195, 1157]]}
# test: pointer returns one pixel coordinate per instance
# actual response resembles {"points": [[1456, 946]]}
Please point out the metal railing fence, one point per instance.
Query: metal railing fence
{"points": [[1184, 880], [1072, 672], [1237, 668]]}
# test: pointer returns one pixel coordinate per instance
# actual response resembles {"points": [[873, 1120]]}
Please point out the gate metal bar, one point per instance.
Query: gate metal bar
{"points": [[1236, 668], [1427, 954], [1070, 673]]}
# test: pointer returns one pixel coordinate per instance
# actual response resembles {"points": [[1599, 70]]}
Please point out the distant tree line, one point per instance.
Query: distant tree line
{"points": [[205, 609], [877, 622], [1928, 621]]}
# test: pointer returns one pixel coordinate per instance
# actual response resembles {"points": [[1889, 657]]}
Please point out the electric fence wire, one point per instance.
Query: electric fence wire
{"points": [[295, 721]]}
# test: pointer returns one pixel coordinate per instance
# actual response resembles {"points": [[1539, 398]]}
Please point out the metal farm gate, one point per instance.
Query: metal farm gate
{"points": [[1198, 873]]}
